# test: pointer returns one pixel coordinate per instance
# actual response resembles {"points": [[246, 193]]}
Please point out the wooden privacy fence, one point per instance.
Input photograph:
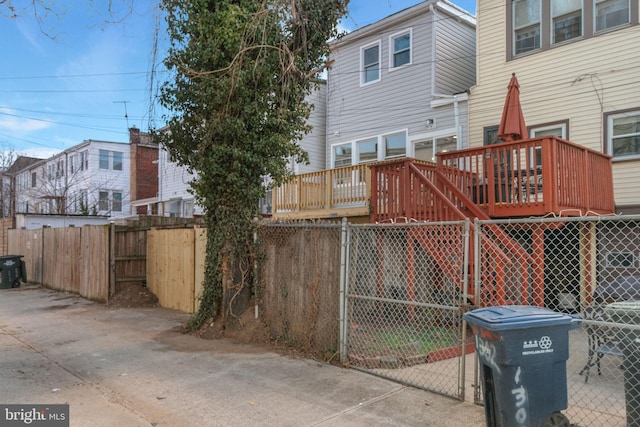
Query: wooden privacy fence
{"points": [[74, 259], [175, 266], [98, 261]]}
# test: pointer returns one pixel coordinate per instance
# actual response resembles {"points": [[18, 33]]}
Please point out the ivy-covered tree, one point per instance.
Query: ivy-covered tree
{"points": [[241, 70]]}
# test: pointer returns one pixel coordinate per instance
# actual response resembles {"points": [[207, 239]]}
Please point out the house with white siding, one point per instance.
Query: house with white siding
{"points": [[91, 178], [577, 64]]}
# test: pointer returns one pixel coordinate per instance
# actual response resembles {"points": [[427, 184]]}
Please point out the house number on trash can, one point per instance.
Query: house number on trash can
{"points": [[520, 396], [543, 345]]}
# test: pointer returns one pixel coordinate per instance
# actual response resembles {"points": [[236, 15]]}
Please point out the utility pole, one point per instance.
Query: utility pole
{"points": [[126, 116]]}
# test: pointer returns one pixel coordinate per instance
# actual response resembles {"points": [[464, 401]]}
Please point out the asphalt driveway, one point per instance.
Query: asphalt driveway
{"points": [[132, 367]]}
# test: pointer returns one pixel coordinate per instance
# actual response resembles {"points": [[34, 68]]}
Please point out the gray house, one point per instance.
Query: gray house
{"points": [[398, 87]]}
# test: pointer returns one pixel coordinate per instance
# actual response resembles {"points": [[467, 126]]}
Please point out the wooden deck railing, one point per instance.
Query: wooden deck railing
{"points": [[533, 177], [324, 194]]}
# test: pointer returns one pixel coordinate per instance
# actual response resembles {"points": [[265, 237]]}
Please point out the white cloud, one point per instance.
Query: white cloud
{"points": [[9, 121], [39, 152]]}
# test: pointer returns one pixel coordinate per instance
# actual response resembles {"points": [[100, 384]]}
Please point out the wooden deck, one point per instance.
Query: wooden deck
{"points": [[533, 177]]}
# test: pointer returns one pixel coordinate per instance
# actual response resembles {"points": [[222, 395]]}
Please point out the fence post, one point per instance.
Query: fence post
{"points": [[112, 261], [343, 294]]}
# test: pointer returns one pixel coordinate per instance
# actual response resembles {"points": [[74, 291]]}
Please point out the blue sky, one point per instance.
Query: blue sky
{"points": [[75, 75]]}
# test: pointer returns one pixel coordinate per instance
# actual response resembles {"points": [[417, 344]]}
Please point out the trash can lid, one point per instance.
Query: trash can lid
{"points": [[516, 317]]}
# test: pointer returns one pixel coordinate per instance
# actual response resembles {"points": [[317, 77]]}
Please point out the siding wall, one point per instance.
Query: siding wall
{"points": [[314, 142], [578, 82], [455, 66]]}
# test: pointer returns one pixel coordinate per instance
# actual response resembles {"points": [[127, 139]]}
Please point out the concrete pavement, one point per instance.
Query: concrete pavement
{"points": [[132, 367]]}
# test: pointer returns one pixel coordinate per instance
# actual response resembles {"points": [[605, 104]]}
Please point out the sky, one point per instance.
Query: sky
{"points": [[87, 69]]}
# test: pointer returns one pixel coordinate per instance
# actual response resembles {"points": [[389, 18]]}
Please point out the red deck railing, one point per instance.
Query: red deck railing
{"points": [[533, 177]]}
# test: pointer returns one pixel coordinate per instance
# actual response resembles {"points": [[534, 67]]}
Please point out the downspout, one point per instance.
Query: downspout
{"points": [[434, 94]]}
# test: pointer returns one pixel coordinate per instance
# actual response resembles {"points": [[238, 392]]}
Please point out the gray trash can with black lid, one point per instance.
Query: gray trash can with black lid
{"points": [[628, 313], [523, 352], [12, 271]]}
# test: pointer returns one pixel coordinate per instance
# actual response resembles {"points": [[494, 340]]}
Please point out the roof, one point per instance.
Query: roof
{"points": [[22, 162], [421, 8]]}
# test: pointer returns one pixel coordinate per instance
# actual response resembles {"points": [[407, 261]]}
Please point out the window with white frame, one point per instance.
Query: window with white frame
{"points": [[526, 25], [116, 203], [427, 149], [342, 155], [367, 150], [110, 160], [566, 20], [117, 161], [103, 200], [623, 135], [84, 161], [611, 13], [400, 48], [395, 145], [370, 59], [554, 129]]}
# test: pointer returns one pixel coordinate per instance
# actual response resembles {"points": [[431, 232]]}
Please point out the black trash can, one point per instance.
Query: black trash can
{"points": [[523, 352], [628, 312], [12, 271]]}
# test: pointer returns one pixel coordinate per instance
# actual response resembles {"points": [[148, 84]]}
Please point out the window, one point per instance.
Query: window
{"points": [[33, 179], [342, 155], [611, 13], [542, 24], [490, 135], [84, 161], [426, 150], [566, 20], [400, 46], [104, 159], [72, 163], [620, 259], [526, 20], [117, 161], [110, 160], [103, 201], [555, 129], [367, 150], [60, 169], [395, 145], [623, 135], [370, 64], [117, 202]]}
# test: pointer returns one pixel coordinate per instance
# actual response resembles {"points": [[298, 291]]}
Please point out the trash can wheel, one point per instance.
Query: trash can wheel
{"points": [[557, 419], [16, 283]]}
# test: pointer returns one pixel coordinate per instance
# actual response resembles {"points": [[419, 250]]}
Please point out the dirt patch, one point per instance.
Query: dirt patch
{"points": [[133, 296], [245, 329]]}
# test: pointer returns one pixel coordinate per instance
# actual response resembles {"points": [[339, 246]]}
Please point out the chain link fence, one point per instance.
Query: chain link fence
{"points": [[588, 267], [388, 298], [405, 292]]}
